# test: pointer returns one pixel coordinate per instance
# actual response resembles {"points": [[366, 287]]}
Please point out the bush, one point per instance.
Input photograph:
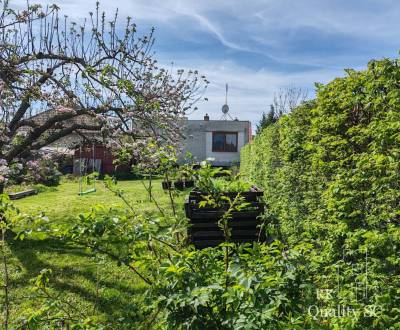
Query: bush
{"points": [[252, 287], [42, 171]]}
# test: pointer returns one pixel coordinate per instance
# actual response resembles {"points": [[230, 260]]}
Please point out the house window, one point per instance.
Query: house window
{"points": [[224, 141]]}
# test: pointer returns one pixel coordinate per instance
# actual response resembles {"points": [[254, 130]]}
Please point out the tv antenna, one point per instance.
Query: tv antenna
{"points": [[225, 107]]}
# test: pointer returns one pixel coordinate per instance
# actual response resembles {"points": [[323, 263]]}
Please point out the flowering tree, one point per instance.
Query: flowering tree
{"points": [[67, 73]]}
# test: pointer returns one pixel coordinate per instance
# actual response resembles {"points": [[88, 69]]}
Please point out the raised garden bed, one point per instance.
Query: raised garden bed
{"points": [[166, 185], [245, 224], [189, 184], [22, 194], [179, 185]]}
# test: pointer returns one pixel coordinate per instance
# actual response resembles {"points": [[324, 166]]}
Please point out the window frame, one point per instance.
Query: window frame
{"points": [[213, 149]]}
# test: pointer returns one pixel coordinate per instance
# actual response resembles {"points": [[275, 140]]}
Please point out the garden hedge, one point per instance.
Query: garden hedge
{"points": [[331, 175]]}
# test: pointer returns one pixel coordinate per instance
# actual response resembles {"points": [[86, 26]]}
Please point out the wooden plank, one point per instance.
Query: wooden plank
{"points": [[233, 224], [200, 215], [245, 224], [224, 207], [22, 194], [213, 243], [254, 191], [245, 199], [246, 233], [248, 195]]}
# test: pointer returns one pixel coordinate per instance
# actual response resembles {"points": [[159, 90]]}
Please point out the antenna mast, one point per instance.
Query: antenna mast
{"points": [[226, 93], [225, 107]]}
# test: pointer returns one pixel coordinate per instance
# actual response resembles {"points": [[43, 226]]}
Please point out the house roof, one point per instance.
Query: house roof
{"points": [[42, 117], [73, 139]]}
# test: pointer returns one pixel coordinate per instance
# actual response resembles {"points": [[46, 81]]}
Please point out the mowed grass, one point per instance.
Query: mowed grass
{"points": [[64, 203], [93, 284]]}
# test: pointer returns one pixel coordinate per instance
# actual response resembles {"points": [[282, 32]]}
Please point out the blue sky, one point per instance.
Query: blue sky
{"points": [[257, 46]]}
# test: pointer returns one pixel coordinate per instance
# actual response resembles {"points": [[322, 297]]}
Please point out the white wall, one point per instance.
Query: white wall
{"points": [[223, 157]]}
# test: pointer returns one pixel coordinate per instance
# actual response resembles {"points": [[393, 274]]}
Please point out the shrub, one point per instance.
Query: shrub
{"points": [[43, 171], [253, 287]]}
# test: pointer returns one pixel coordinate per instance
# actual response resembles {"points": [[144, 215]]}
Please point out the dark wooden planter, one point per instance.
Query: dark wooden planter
{"points": [[189, 184], [222, 175], [245, 224], [181, 185], [166, 185], [22, 194]]}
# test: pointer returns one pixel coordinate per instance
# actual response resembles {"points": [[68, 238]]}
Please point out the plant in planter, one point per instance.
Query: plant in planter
{"points": [[188, 174], [223, 209], [205, 178], [170, 171], [185, 179], [184, 175], [231, 185], [180, 176]]}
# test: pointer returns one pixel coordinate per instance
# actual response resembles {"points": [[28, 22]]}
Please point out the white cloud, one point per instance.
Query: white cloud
{"points": [[262, 27], [217, 32], [250, 92]]}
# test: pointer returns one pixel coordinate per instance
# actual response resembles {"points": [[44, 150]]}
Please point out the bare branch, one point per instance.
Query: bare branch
{"points": [[288, 98]]}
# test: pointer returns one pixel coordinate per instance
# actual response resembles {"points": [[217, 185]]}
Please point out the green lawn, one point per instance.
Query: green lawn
{"points": [[64, 203], [86, 281]]}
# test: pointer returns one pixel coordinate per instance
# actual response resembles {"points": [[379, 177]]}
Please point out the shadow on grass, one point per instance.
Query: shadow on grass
{"points": [[75, 272]]}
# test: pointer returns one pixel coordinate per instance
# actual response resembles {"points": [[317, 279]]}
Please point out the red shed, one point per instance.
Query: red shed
{"points": [[102, 158]]}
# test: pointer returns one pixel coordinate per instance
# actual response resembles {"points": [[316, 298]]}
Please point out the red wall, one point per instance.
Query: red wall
{"points": [[107, 166]]}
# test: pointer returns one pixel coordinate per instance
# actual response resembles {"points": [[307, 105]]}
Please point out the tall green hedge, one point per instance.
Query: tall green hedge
{"points": [[331, 175]]}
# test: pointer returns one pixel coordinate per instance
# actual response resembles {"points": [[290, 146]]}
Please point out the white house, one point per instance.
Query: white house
{"points": [[218, 141]]}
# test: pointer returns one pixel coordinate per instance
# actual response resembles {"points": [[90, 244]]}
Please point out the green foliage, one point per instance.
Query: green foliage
{"points": [[231, 185], [90, 178], [216, 180], [330, 172], [42, 171], [107, 294], [259, 287], [205, 178], [266, 120], [55, 312]]}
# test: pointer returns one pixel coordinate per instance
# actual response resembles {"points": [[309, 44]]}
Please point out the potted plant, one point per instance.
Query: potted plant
{"points": [[168, 168], [185, 177], [188, 176]]}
